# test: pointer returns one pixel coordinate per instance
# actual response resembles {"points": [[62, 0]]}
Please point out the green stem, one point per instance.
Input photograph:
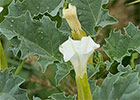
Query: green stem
{"points": [[101, 59], [90, 60], [133, 57], [19, 67], [136, 1], [3, 61], [65, 4], [84, 92]]}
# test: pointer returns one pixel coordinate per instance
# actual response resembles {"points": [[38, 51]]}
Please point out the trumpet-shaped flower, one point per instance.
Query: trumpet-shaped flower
{"points": [[78, 52], [1, 8]]}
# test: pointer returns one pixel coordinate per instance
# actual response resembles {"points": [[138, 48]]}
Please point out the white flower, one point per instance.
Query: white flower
{"points": [[1, 8], [78, 52], [71, 17]]}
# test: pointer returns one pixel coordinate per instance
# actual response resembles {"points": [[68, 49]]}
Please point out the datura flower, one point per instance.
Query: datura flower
{"points": [[1, 8], [78, 52], [71, 17]]}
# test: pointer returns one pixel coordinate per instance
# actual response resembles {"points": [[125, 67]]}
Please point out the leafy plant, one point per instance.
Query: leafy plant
{"points": [[51, 45]]}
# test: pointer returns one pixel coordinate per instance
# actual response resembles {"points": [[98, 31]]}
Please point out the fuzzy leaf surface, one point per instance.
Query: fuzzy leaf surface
{"points": [[118, 87], [9, 87], [117, 45], [63, 70], [61, 96], [35, 7], [37, 37], [4, 3], [94, 70], [36, 98]]}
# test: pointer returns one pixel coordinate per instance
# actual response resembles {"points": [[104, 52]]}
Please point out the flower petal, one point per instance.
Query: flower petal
{"points": [[67, 50], [88, 45], [1, 8]]}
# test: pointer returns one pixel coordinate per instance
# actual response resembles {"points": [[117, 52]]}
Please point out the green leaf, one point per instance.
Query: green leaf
{"points": [[16, 43], [63, 70], [61, 96], [4, 2], [35, 7], [3, 61], [119, 87], [65, 28], [94, 70], [91, 14], [117, 45], [92, 84], [37, 37], [36, 98], [9, 87], [126, 69]]}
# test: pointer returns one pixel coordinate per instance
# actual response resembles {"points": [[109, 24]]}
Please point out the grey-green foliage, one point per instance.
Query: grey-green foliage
{"points": [[122, 86], [61, 96], [37, 37], [63, 70], [4, 2], [58, 96], [36, 98], [94, 70], [42, 38], [117, 45], [91, 14], [35, 7], [138, 68], [9, 87]]}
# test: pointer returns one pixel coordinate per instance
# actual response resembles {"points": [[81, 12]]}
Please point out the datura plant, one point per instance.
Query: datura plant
{"points": [[70, 15], [68, 50]]}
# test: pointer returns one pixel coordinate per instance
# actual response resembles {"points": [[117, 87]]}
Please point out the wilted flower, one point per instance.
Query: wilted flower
{"points": [[78, 52], [71, 17], [1, 8]]}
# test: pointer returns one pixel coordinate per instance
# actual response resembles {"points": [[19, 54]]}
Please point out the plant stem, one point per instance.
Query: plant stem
{"points": [[133, 57], [19, 67], [136, 1], [3, 61], [83, 87]]}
